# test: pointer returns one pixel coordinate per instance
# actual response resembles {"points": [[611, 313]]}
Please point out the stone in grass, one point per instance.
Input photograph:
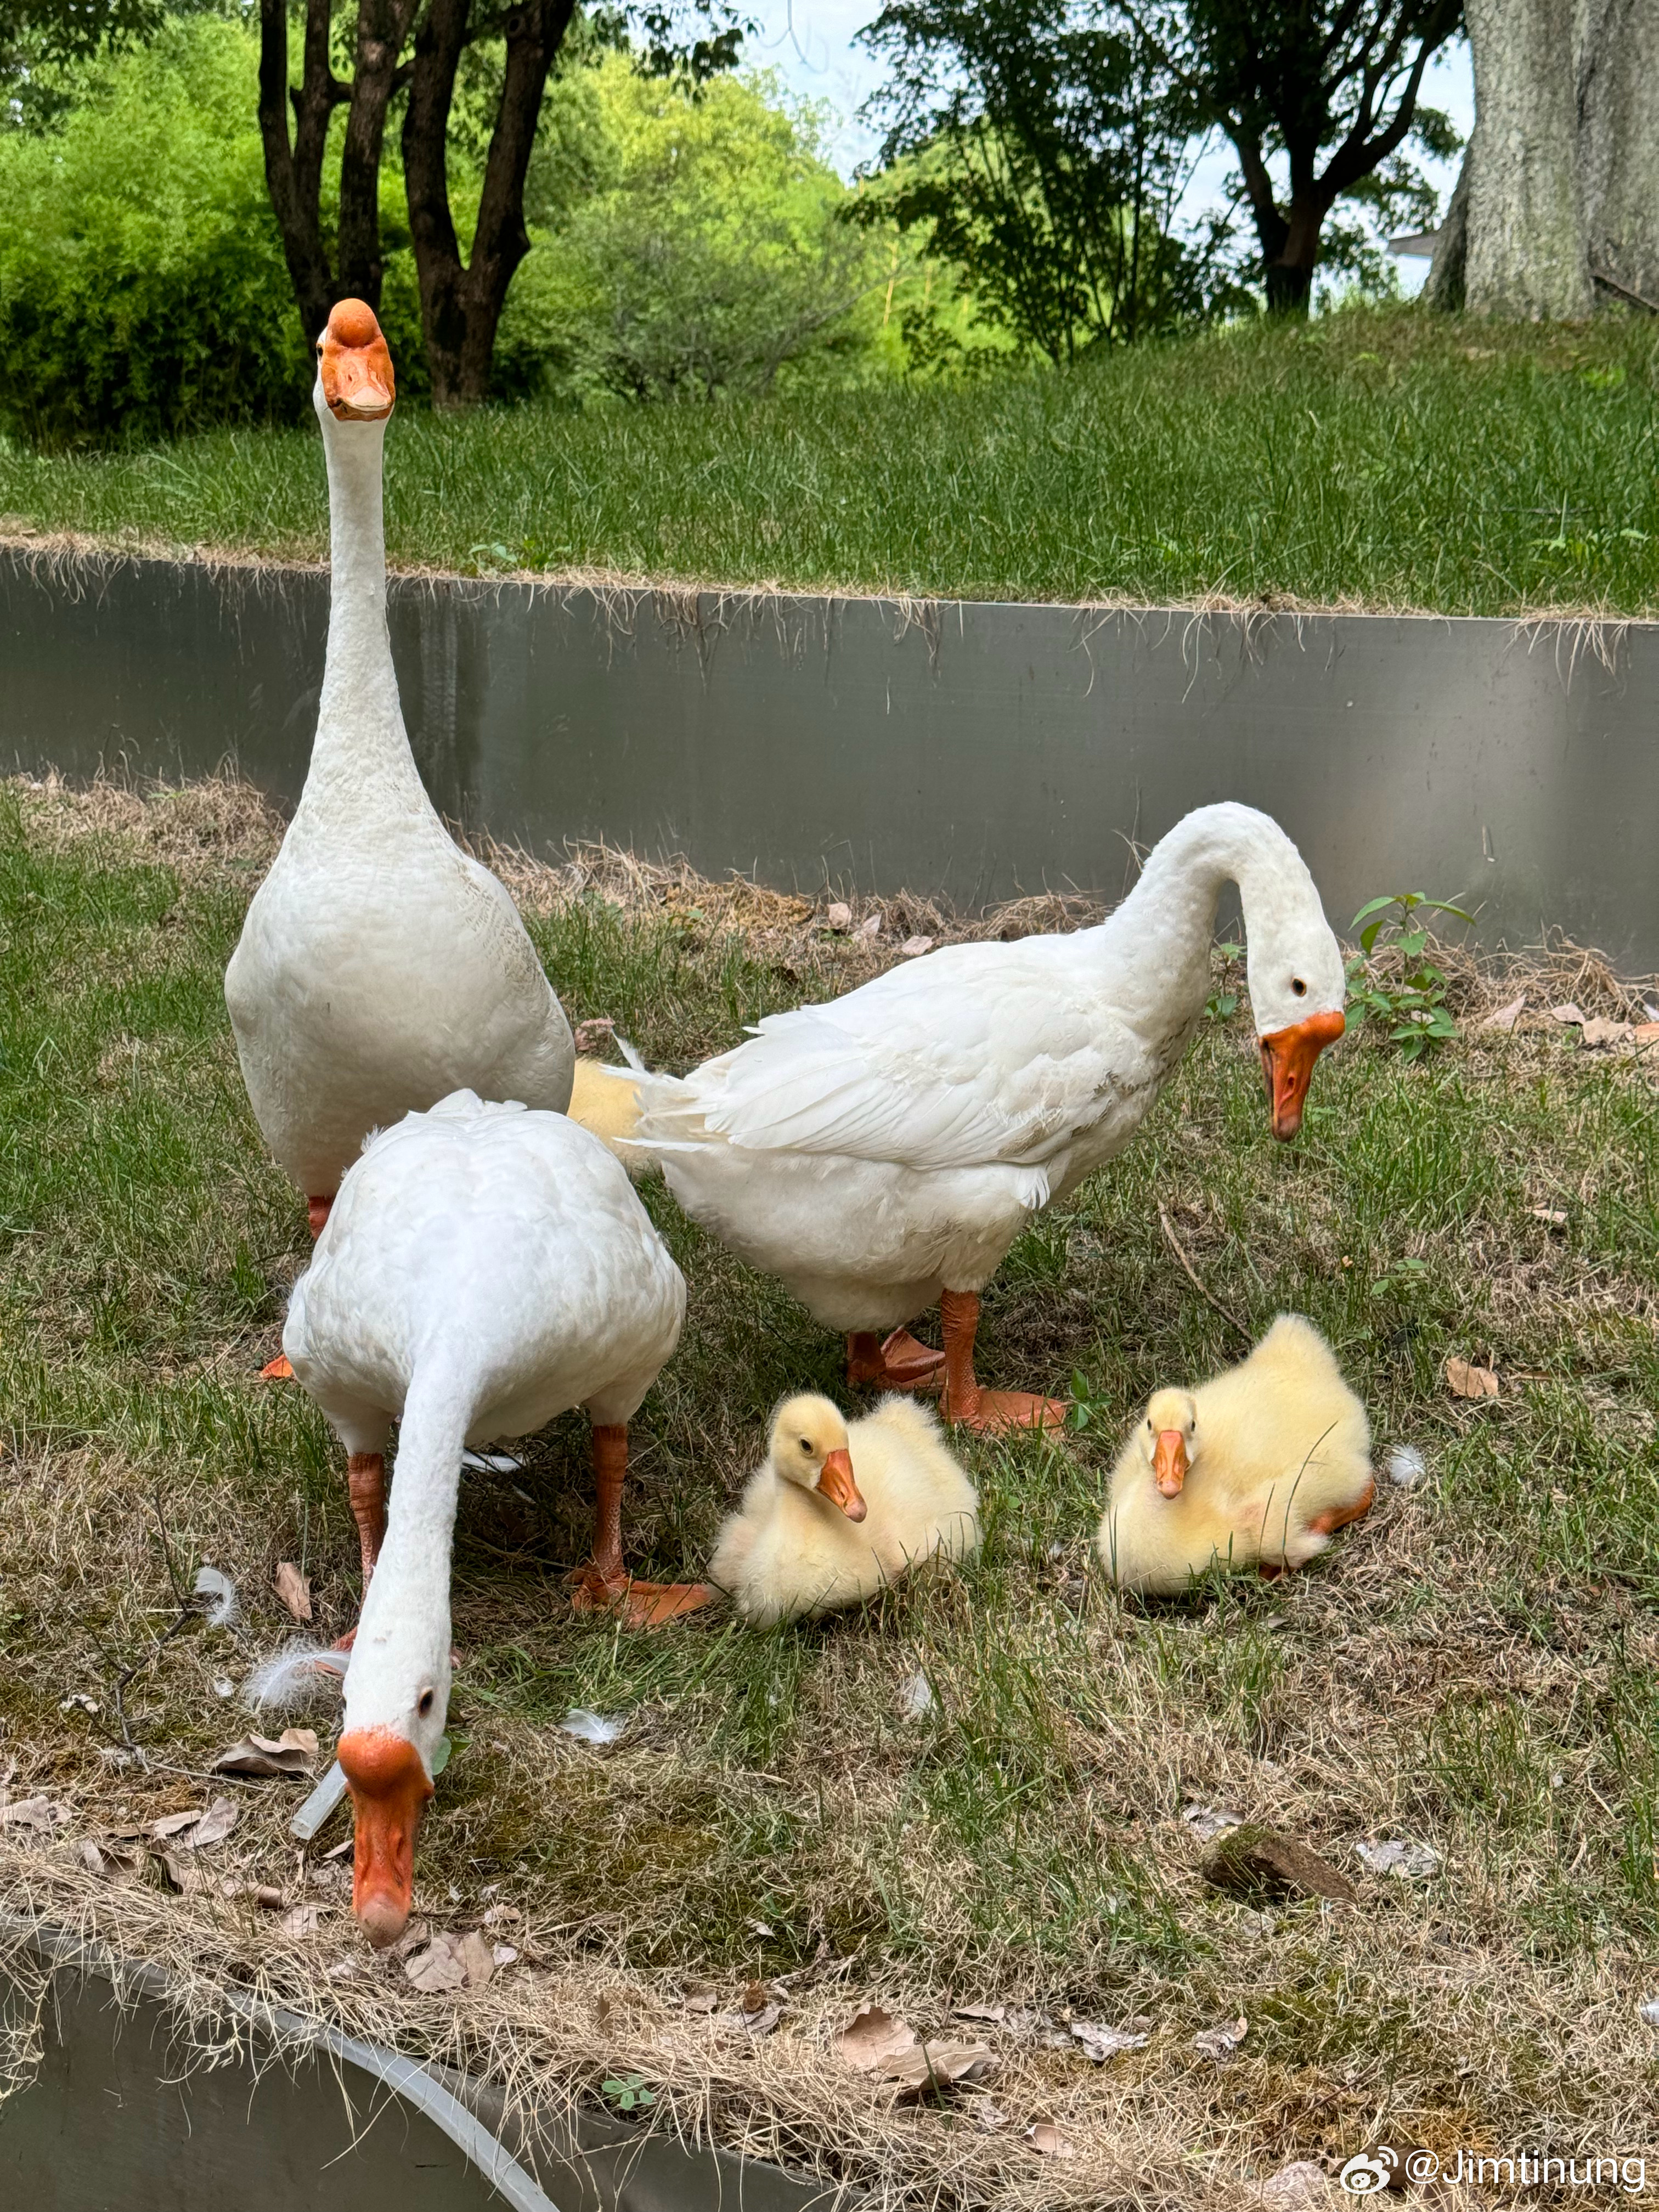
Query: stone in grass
{"points": [[1255, 1859]]}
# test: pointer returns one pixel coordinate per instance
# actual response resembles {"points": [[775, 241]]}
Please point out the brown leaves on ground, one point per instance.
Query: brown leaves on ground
{"points": [[293, 1589], [451, 1962], [882, 2043], [44, 1813], [1221, 2041], [1465, 1380], [293, 1752], [1046, 2139], [196, 1830]]}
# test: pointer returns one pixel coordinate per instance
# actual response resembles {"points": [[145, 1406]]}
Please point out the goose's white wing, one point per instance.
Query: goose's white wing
{"points": [[975, 1054]]}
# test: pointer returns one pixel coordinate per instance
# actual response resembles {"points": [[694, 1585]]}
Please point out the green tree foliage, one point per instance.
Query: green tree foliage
{"points": [[1332, 87], [142, 288], [689, 246], [1039, 147]]}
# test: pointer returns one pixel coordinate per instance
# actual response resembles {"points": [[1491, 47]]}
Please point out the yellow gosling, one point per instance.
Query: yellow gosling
{"points": [[1258, 1469], [835, 1513]]}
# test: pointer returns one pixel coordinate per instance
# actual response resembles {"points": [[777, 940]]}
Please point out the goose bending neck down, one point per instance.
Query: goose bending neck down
{"points": [[379, 967], [483, 1270], [884, 1151]]}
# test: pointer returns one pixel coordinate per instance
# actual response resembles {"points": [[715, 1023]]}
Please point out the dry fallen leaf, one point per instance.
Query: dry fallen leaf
{"points": [[1405, 1861], [1465, 1381], [1206, 1822], [478, 1957], [436, 1968], [995, 2014], [302, 1919], [1222, 2039], [840, 916], [293, 1589], [215, 1824], [1645, 1033], [936, 2065], [189, 1881], [34, 1813], [1046, 2139], [987, 2117], [914, 947], [1601, 1032], [293, 1752], [761, 2022], [870, 927], [873, 2036], [1555, 1215], [171, 1824], [1506, 1017], [1568, 1013], [1100, 2042]]}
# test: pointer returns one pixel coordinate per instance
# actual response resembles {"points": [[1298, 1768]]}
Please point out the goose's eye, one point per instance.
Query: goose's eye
{"points": [[424, 1706], [806, 1446], [1298, 986]]}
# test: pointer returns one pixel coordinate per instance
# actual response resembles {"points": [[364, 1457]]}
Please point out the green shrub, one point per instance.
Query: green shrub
{"points": [[142, 287]]}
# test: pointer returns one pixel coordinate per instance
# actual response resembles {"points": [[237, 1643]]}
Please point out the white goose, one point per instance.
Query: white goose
{"points": [[885, 1150], [484, 1268], [379, 968]]}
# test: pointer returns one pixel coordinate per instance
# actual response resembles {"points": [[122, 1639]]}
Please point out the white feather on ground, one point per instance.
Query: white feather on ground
{"points": [[293, 1675]]}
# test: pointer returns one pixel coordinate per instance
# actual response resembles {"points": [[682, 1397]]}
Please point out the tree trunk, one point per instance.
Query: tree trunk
{"points": [[1527, 257], [294, 173], [1443, 288], [382, 27], [461, 305], [1619, 144]]}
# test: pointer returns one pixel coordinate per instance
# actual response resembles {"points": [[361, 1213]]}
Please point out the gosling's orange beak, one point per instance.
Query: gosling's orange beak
{"points": [[356, 368], [1287, 1063], [1170, 1462], [389, 1787], [838, 1487]]}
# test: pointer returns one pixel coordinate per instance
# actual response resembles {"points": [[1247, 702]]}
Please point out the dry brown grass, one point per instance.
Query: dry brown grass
{"points": [[1473, 1666]]}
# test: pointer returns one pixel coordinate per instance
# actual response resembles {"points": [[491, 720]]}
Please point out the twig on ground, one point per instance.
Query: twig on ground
{"points": [[1191, 1273]]}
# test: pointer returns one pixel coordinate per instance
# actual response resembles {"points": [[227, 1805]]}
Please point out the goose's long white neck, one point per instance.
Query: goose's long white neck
{"points": [[403, 1639], [361, 738], [1161, 935]]}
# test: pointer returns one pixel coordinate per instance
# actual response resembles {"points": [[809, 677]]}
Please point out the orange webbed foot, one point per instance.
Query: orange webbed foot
{"points": [[900, 1362], [995, 1413]]}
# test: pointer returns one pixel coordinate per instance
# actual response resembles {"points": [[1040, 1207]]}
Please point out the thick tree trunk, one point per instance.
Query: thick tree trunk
{"points": [[1444, 286], [294, 173], [1528, 257], [382, 27], [1619, 144], [461, 305]]}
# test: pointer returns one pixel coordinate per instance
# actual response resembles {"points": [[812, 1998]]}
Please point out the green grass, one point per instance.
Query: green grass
{"points": [[1473, 1666], [1387, 457]]}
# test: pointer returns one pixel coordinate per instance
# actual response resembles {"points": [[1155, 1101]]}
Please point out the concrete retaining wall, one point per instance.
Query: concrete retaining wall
{"points": [[966, 748]]}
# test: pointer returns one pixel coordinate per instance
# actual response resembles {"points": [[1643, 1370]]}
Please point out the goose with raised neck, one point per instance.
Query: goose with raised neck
{"points": [[884, 1151], [483, 1270], [379, 968]]}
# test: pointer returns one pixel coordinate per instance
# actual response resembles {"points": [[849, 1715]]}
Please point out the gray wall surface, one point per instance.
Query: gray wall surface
{"points": [[969, 749]]}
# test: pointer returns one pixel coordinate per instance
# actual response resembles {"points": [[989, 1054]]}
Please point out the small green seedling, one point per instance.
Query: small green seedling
{"points": [[1222, 1002], [629, 2093], [1403, 1275], [1412, 995]]}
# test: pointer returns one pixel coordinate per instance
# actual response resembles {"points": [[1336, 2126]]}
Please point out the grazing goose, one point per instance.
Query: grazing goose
{"points": [[482, 1269], [884, 1150], [379, 968]]}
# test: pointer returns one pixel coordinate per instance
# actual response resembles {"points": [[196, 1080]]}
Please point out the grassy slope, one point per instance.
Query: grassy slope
{"points": [[1387, 457], [1474, 1666]]}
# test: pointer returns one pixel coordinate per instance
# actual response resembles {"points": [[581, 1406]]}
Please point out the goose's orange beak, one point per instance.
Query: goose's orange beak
{"points": [[838, 1487], [1287, 1063], [356, 368], [1170, 1462], [389, 1788]]}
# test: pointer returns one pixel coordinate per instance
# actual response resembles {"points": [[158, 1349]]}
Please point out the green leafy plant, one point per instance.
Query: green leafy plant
{"points": [[1391, 978], [629, 2093], [1403, 1275], [1222, 1002]]}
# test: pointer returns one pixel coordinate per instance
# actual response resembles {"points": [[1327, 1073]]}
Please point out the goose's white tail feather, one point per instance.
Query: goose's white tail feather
{"points": [[293, 1675]]}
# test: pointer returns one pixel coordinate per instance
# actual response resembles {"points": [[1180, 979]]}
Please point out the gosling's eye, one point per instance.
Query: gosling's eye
{"points": [[425, 1705], [806, 1446], [1298, 986]]}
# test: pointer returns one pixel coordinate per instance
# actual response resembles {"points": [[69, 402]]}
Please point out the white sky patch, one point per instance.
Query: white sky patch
{"points": [[810, 43]]}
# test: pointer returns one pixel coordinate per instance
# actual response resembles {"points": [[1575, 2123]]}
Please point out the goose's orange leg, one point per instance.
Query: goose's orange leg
{"points": [[277, 1370], [965, 1402], [899, 1362], [1325, 1524], [605, 1584], [366, 1480]]}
